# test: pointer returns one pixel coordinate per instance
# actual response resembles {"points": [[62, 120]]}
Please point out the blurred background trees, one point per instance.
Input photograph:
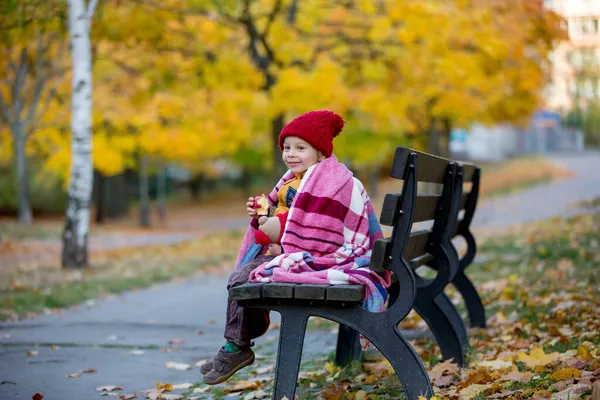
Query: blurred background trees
{"points": [[199, 89]]}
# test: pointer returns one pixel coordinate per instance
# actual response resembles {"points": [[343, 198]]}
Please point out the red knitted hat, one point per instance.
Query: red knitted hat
{"points": [[317, 128]]}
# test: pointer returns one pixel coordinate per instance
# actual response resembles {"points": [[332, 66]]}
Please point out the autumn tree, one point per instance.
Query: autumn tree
{"points": [[32, 44]]}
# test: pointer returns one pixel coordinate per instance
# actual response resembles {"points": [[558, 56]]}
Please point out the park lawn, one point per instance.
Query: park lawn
{"points": [[541, 288], [44, 286]]}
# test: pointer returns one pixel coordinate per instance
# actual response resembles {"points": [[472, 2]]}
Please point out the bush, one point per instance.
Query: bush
{"points": [[47, 196]]}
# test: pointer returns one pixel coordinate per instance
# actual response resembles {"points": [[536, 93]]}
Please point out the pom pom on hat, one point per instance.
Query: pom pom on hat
{"points": [[315, 127]]}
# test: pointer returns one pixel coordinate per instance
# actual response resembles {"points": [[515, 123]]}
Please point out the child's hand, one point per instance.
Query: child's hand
{"points": [[250, 207], [275, 249]]}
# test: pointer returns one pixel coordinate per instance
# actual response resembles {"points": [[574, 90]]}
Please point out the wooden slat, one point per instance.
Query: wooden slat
{"points": [[416, 245], [417, 262], [310, 292], [468, 171], [279, 290], [345, 292], [430, 168], [425, 207], [380, 256], [390, 209], [247, 291]]}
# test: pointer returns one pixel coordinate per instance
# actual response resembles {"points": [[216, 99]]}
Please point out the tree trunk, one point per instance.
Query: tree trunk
{"points": [[278, 165], [22, 179], [434, 137], [100, 197], [161, 193], [144, 198], [81, 176]]}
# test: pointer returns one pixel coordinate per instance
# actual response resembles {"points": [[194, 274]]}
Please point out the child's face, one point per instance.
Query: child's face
{"points": [[298, 155]]}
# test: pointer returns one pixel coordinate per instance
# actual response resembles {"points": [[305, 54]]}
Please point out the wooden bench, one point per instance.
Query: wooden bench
{"points": [[401, 253]]}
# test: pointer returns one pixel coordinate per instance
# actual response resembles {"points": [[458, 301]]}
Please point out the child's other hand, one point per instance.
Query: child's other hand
{"points": [[250, 208], [275, 249]]}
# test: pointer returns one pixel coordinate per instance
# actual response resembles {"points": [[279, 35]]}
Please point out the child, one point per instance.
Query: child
{"points": [[327, 239]]}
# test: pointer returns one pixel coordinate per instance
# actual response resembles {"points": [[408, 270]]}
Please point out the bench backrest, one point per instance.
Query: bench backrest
{"points": [[470, 174], [402, 210]]}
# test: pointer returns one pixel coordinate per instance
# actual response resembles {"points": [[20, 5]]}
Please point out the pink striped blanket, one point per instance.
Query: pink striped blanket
{"points": [[328, 236]]}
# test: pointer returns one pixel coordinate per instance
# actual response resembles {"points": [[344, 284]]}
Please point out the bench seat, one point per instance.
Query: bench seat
{"points": [[307, 292]]}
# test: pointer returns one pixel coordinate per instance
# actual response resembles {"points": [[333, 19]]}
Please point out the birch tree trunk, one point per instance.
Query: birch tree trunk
{"points": [[75, 236]]}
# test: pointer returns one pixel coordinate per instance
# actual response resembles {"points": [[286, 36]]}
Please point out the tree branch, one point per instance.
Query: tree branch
{"points": [[270, 19], [91, 8]]}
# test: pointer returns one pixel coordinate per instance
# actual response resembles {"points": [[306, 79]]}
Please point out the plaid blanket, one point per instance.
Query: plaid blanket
{"points": [[328, 236]]}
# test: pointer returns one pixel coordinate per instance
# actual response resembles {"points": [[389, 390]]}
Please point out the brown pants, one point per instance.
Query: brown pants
{"points": [[245, 323]]}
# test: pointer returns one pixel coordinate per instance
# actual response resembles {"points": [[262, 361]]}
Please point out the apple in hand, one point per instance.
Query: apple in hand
{"points": [[261, 205]]}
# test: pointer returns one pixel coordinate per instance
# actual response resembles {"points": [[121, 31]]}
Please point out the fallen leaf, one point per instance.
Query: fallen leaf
{"points": [[177, 341], [154, 394], [127, 396], [571, 392], [108, 388], [257, 394], [182, 386], [332, 392], [443, 374], [171, 397], [595, 391], [201, 390], [472, 391], [517, 376], [265, 370], [380, 369], [177, 366], [496, 364], [566, 373], [503, 394], [537, 357], [165, 387], [32, 352], [242, 386], [82, 371]]}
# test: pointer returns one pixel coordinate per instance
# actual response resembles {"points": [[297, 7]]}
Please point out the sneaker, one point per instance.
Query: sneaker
{"points": [[225, 364], [206, 367]]}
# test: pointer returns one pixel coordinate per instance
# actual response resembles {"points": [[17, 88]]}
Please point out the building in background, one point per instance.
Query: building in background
{"points": [[576, 64]]}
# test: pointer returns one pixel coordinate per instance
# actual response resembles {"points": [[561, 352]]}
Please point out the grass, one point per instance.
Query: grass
{"points": [[36, 288], [517, 175]]}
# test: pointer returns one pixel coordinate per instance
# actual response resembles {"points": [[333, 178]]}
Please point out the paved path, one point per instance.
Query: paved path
{"points": [[102, 334]]}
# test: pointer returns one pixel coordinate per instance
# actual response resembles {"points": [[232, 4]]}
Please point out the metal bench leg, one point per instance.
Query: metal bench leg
{"points": [[472, 299], [289, 353], [445, 304], [442, 328], [348, 346], [406, 363]]}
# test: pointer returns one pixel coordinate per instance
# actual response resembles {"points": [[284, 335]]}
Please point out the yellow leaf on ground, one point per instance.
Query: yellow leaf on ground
{"points": [[496, 364], [242, 386], [566, 373], [537, 357]]}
